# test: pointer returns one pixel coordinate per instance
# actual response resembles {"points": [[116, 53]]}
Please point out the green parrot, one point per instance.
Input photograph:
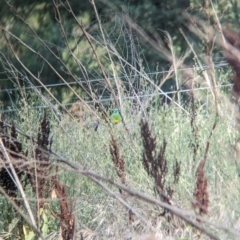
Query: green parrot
{"points": [[115, 117]]}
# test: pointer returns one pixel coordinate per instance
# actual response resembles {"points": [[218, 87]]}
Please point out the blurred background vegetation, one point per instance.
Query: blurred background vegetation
{"points": [[153, 17], [124, 53]]}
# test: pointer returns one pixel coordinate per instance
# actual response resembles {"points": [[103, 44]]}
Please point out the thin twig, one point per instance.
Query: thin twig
{"points": [[19, 185]]}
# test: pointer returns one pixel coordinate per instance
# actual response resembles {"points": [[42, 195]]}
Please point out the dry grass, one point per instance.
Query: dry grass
{"points": [[165, 172]]}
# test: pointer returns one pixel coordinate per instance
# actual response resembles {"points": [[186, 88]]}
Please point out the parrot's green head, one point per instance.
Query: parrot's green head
{"points": [[115, 110]]}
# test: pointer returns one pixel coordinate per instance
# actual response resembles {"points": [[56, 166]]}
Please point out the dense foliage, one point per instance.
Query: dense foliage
{"points": [[165, 164], [36, 24]]}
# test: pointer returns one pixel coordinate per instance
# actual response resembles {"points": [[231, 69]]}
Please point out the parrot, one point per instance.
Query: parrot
{"points": [[115, 116]]}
